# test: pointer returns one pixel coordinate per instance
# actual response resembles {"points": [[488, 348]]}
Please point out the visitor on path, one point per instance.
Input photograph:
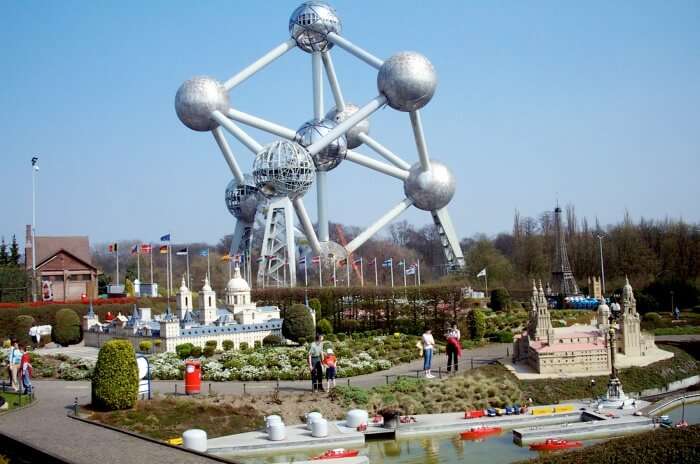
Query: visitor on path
{"points": [[454, 347], [330, 362], [428, 346], [316, 363], [26, 372], [14, 358]]}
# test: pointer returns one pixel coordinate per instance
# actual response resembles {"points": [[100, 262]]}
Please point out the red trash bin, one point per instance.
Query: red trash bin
{"points": [[193, 377]]}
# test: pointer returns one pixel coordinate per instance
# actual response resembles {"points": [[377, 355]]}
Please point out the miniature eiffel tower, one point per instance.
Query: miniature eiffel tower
{"points": [[563, 282]]}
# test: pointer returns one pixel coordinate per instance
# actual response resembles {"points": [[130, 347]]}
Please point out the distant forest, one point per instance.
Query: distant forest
{"points": [[658, 256]]}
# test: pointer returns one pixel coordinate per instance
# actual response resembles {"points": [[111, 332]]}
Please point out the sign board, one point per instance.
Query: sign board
{"points": [[46, 290], [144, 376]]}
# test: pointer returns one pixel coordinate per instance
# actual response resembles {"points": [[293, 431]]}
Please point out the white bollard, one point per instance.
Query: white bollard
{"points": [[276, 432], [319, 428], [311, 418], [195, 439], [356, 417]]}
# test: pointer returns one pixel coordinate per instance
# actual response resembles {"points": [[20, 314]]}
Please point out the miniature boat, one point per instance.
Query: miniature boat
{"points": [[552, 444], [337, 453], [474, 414], [682, 424], [479, 432]]}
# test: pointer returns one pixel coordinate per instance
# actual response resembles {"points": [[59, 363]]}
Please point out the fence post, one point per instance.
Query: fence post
{"points": [[387, 379], [439, 372], [244, 389], [75, 406], [175, 389], [209, 389], [472, 361]]}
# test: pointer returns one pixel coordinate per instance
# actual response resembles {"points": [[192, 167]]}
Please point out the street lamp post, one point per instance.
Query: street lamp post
{"points": [[35, 169], [602, 268]]}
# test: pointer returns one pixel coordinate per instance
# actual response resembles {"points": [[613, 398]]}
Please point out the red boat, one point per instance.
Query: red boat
{"points": [[479, 432], [338, 453], [552, 444]]}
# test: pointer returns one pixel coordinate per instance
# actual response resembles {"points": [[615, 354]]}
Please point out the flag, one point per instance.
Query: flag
{"points": [[135, 249], [112, 247], [482, 273], [342, 262], [302, 260], [182, 252], [260, 259], [411, 270], [402, 263], [204, 252], [316, 260], [163, 249], [146, 249], [165, 238], [388, 262], [226, 257], [237, 259], [357, 260], [271, 257], [374, 261]]}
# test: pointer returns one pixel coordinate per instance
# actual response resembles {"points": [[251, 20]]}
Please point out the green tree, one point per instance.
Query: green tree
{"points": [[500, 299], [4, 257], [298, 323], [67, 330], [324, 327], [23, 323], [315, 304], [14, 252], [476, 324], [145, 346], [115, 380]]}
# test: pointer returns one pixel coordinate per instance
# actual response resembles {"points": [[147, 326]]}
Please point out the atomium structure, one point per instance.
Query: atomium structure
{"points": [[285, 169]]}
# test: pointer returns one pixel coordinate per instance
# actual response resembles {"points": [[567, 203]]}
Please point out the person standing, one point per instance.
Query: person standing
{"points": [[454, 347], [25, 370], [330, 361], [316, 363], [428, 346], [14, 359]]}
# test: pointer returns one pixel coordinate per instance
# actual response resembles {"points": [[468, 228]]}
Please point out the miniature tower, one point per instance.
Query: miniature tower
{"points": [[630, 326], [603, 316], [563, 281], [594, 288], [207, 301], [237, 291], [543, 328], [183, 300], [90, 319], [169, 327], [534, 303]]}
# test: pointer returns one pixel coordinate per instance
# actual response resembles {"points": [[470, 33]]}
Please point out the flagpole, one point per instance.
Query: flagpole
{"points": [[151, 260], [418, 262], [187, 258], [170, 269], [208, 268], [404, 273], [335, 281], [392, 273], [486, 280], [376, 278], [138, 263], [347, 265], [362, 272], [306, 274], [320, 272], [116, 252]]}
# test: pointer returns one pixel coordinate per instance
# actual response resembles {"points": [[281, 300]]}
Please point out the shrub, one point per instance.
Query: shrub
{"points": [[324, 327], [227, 345], [22, 325], [500, 299], [257, 344], [476, 324], [67, 330], [272, 340], [341, 337], [505, 336], [315, 304], [332, 338], [157, 342], [196, 352], [302, 340], [244, 346], [145, 346], [652, 318], [298, 323], [209, 351], [211, 343], [115, 380], [184, 350]]}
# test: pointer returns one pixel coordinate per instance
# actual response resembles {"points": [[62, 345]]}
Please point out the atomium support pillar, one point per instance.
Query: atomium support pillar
{"points": [[278, 245], [448, 239], [242, 243]]}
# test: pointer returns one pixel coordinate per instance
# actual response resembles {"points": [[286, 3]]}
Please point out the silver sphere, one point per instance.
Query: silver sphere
{"points": [[430, 190], [333, 154], [283, 168], [408, 81], [310, 24], [352, 135], [197, 98], [242, 200], [329, 251]]}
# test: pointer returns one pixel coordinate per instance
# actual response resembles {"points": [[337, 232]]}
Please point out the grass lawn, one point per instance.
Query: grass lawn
{"points": [[13, 400]]}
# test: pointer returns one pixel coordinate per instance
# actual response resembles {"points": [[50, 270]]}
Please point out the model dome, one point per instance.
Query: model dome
{"points": [[237, 282]]}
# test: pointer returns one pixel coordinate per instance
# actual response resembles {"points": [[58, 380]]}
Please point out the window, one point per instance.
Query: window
{"points": [[210, 300], [186, 303]]}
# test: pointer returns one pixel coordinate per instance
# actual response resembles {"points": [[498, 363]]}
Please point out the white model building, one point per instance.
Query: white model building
{"points": [[240, 321]]}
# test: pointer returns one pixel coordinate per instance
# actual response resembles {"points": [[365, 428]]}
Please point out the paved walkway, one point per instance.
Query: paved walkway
{"points": [[45, 424]]}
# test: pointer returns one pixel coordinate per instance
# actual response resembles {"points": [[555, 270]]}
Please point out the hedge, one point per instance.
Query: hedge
{"points": [[115, 380]]}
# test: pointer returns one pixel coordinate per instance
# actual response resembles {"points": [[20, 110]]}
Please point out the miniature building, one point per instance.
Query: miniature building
{"points": [[594, 287], [583, 348], [241, 320]]}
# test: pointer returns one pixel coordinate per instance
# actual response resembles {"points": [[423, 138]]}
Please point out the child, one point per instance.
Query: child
{"points": [[330, 361], [26, 372]]}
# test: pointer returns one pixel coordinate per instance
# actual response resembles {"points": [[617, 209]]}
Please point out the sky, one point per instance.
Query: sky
{"points": [[596, 104]]}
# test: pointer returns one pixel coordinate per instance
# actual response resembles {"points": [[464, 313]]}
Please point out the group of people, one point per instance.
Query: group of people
{"points": [[20, 368], [320, 360], [453, 349]]}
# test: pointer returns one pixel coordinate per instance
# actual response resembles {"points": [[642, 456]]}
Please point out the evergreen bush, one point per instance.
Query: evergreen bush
{"points": [[500, 299], [184, 350], [244, 346], [476, 324], [145, 346], [209, 351], [272, 340], [67, 330], [211, 343], [196, 352], [227, 345], [324, 327], [298, 323], [115, 380], [22, 325], [257, 344]]}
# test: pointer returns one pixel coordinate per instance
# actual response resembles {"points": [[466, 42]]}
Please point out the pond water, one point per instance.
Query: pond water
{"points": [[447, 448]]}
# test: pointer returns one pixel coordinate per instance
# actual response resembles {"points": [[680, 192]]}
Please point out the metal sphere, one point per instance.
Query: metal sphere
{"points": [[333, 154], [283, 168], [430, 190], [242, 200], [310, 23], [408, 81], [329, 251], [352, 135], [197, 98]]}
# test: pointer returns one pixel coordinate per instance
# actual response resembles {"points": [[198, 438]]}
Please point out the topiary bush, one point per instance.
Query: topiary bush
{"points": [[244, 346], [184, 350], [211, 343], [341, 337], [227, 345], [67, 330], [298, 323], [115, 381], [476, 324], [145, 346], [22, 325], [272, 340], [208, 351], [500, 299], [257, 344], [196, 352], [324, 327]]}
